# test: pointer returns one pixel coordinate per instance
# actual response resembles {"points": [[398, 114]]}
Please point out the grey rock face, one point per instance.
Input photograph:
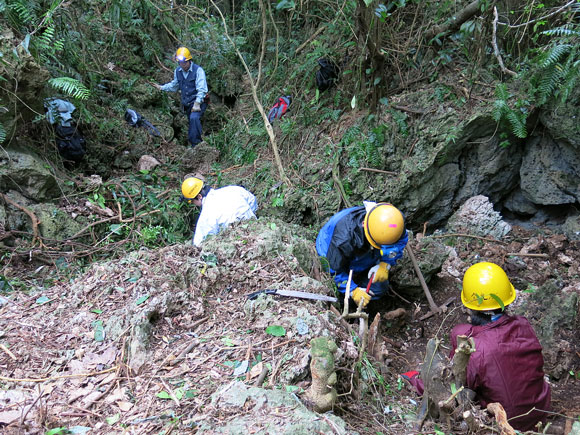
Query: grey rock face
{"points": [[26, 172], [477, 216], [550, 172]]}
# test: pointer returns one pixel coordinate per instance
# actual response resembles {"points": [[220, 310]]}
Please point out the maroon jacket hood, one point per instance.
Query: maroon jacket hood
{"points": [[507, 367]]}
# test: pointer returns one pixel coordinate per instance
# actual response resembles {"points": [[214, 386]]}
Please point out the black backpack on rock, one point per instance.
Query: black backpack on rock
{"points": [[326, 75], [70, 142]]}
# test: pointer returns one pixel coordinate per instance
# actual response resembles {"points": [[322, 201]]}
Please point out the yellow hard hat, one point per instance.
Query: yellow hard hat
{"points": [[383, 224], [182, 54], [483, 280], [191, 187]]}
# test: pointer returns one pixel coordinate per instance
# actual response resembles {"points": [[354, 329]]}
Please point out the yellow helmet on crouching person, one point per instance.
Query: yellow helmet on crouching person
{"points": [[383, 225], [191, 187], [480, 282], [182, 54]]}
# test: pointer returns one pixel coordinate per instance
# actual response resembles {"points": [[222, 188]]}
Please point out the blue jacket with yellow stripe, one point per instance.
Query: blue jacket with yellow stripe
{"points": [[343, 243]]}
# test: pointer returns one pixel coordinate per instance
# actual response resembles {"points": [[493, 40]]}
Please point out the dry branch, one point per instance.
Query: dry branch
{"points": [[501, 417], [257, 102], [31, 215], [432, 304], [495, 48], [455, 21]]}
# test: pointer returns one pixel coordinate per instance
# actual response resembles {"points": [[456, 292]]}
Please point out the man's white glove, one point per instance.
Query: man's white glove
{"points": [[381, 272], [196, 107]]}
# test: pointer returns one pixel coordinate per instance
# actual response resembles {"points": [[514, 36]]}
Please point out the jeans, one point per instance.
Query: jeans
{"points": [[194, 131]]}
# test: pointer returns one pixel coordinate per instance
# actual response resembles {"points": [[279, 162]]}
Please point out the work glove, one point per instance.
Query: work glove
{"points": [[381, 272], [196, 107], [358, 294]]}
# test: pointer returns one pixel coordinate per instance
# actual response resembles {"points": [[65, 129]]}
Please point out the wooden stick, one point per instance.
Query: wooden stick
{"points": [[468, 235], [496, 49], [347, 295], [500, 416], [78, 375], [31, 215], [517, 254], [432, 304], [380, 171], [10, 354]]}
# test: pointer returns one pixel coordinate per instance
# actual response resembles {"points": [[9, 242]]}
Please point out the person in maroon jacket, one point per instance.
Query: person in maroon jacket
{"points": [[507, 365]]}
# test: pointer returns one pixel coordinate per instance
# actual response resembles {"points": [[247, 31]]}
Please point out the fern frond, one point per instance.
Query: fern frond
{"points": [[2, 133], [45, 38], [23, 12], [501, 91], [518, 125], [555, 54], [71, 87], [499, 109], [561, 31]]}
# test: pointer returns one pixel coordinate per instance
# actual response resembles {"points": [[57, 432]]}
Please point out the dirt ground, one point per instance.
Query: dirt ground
{"points": [[140, 344]]}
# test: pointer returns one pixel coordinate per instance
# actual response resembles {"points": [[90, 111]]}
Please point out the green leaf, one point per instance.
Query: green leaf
{"points": [[384, 101], [57, 431], [228, 342], [273, 226], [42, 300], [276, 330], [498, 300], [353, 102], [113, 419], [285, 4], [115, 228], [96, 311], [190, 394], [453, 388], [178, 393], [99, 330], [141, 299], [163, 395], [292, 388]]}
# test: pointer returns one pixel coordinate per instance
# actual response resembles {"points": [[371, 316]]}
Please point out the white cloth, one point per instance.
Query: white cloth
{"points": [[221, 207]]}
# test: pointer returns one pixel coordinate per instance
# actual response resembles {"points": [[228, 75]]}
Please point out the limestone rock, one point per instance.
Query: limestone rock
{"points": [[477, 216], [147, 163], [550, 172], [26, 172], [200, 159], [267, 412]]}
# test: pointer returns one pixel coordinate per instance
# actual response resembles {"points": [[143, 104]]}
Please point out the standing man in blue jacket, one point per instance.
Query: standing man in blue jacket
{"points": [[190, 80], [368, 240]]}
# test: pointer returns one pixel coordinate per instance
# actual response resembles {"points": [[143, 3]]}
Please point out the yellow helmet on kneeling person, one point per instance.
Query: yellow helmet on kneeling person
{"points": [[182, 54], [191, 187], [480, 282], [383, 225]]}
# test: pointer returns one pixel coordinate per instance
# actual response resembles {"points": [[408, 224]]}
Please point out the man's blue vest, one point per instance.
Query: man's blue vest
{"points": [[187, 85]]}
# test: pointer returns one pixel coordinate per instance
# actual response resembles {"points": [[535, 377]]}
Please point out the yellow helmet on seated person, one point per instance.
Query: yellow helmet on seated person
{"points": [[191, 187], [383, 225], [483, 280], [182, 54]]}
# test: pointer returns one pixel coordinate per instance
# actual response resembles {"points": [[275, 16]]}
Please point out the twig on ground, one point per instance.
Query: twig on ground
{"points": [[7, 351], [380, 171], [518, 254], [487, 239], [77, 375], [262, 376]]}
